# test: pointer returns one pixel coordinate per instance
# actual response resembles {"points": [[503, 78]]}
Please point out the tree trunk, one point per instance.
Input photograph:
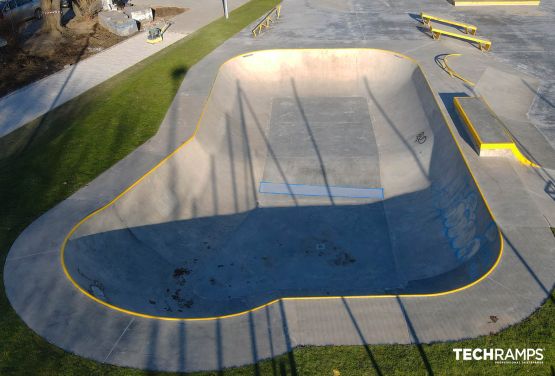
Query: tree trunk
{"points": [[77, 9], [52, 21]]}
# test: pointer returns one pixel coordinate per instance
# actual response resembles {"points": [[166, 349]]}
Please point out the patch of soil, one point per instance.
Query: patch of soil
{"points": [[25, 61], [86, 26], [29, 58], [167, 12]]}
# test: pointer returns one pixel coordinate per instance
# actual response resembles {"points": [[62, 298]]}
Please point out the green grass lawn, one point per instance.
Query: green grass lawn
{"points": [[49, 159]]}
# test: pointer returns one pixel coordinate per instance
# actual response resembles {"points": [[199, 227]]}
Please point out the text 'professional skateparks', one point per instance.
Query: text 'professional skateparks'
{"points": [[312, 173]]}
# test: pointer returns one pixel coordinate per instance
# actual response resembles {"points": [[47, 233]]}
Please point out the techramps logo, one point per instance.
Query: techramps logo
{"points": [[501, 356]]}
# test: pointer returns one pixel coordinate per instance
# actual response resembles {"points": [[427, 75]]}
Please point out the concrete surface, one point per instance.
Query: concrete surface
{"points": [[34, 100], [200, 13], [207, 243], [496, 3], [520, 198], [511, 98], [488, 128], [488, 134]]}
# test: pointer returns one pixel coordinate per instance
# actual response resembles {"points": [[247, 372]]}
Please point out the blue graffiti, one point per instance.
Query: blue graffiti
{"points": [[458, 204]]}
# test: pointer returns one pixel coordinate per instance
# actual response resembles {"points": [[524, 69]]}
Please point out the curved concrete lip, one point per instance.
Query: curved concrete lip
{"points": [[312, 174]]}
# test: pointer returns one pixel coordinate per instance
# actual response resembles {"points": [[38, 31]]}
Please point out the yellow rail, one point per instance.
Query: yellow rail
{"points": [[484, 44], [452, 72], [272, 16], [495, 3], [428, 18]]}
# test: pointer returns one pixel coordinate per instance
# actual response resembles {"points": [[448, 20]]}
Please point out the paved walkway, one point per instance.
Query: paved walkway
{"points": [[36, 99]]}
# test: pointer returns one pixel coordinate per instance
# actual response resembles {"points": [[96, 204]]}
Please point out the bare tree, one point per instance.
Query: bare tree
{"points": [[53, 17], [87, 9]]}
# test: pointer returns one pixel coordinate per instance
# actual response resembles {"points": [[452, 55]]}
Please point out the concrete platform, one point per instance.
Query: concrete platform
{"points": [[49, 304], [485, 126], [489, 135], [511, 98]]}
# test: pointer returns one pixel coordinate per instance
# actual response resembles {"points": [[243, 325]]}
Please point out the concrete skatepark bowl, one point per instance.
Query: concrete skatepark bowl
{"points": [[312, 173]]}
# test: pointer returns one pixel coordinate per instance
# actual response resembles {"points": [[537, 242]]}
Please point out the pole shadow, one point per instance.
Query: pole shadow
{"points": [[362, 339], [414, 338]]}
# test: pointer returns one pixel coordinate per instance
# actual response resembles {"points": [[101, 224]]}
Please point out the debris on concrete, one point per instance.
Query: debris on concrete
{"points": [[98, 292]]}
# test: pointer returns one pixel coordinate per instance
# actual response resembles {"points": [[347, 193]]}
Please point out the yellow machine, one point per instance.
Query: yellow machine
{"points": [[156, 34]]}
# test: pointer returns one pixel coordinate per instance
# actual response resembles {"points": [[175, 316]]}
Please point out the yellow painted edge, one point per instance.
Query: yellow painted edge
{"points": [[514, 148], [469, 125], [522, 158], [452, 72], [443, 20], [511, 146], [164, 318], [493, 3], [497, 145]]}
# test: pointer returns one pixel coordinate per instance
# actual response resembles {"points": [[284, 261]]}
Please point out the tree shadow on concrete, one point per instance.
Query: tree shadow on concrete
{"points": [[362, 338], [414, 338], [23, 138], [529, 269]]}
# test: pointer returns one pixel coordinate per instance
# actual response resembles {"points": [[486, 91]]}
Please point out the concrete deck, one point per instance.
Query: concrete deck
{"points": [[497, 3], [488, 128], [517, 195]]}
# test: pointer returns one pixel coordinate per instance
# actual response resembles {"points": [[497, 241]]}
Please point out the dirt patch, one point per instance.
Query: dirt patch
{"points": [[32, 56], [24, 62], [167, 12], [86, 26]]}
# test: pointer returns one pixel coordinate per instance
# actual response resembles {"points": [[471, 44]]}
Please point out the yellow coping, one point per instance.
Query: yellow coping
{"points": [[453, 73], [496, 145], [284, 299], [265, 23], [468, 28], [484, 44], [493, 3], [511, 146]]}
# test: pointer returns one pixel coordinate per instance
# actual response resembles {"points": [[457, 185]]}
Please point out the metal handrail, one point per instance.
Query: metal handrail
{"points": [[452, 72], [265, 23]]}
